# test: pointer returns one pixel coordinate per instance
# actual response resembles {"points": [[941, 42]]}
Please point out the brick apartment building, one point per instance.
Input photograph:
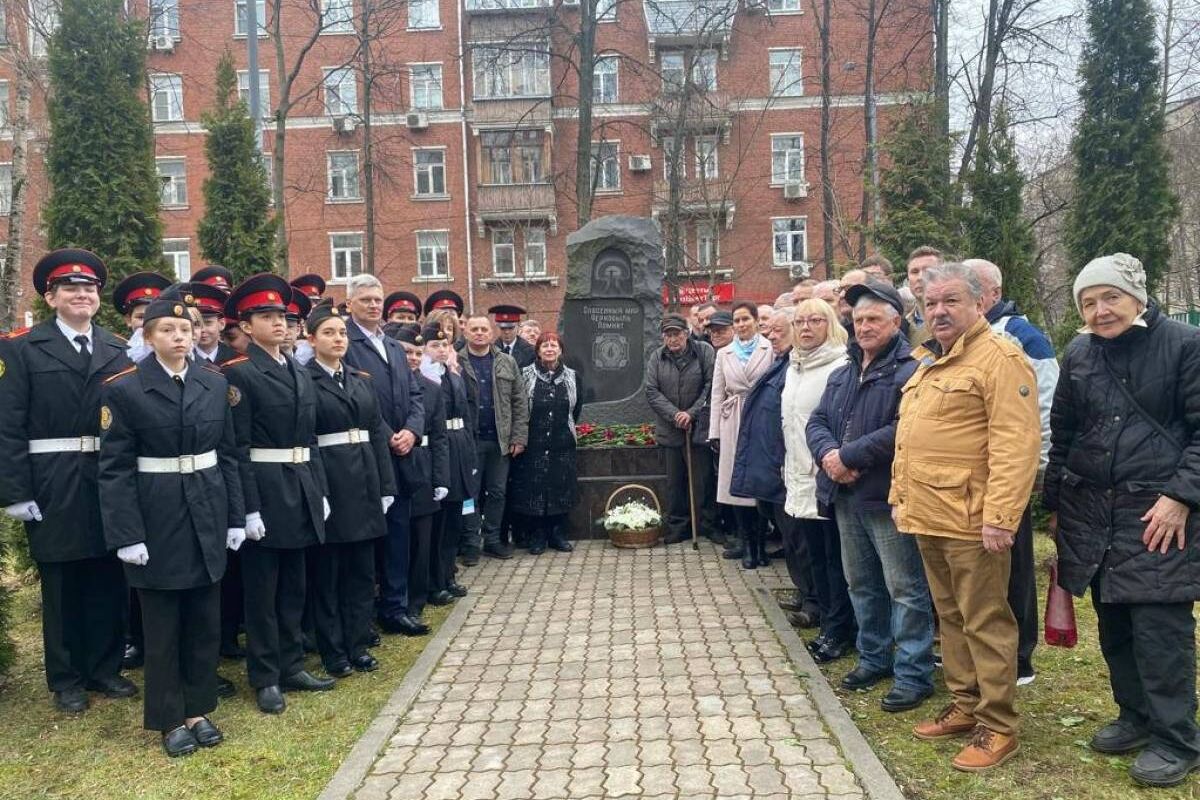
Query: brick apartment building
{"points": [[473, 130]]}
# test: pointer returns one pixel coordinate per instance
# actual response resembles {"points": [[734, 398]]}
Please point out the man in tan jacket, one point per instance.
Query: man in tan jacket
{"points": [[967, 449]]}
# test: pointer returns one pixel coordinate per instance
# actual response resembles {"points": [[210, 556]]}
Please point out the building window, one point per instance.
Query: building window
{"points": [[704, 70], [604, 80], [520, 70], [787, 158], [43, 22], [606, 10], [172, 175], [5, 119], [673, 74], [337, 16], [264, 91], [341, 92], [672, 158], [433, 254], [426, 85], [429, 172], [706, 157], [239, 17], [504, 261], [708, 248], [786, 80], [345, 255], [5, 189], [783, 6], [343, 176], [606, 166], [178, 255], [166, 92], [164, 18], [423, 14], [535, 252], [791, 240], [508, 157]]}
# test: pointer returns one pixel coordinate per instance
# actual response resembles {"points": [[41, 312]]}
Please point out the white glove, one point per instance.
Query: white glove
{"points": [[26, 511], [439, 493], [135, 554], [386, 501], [234, 538], [255, 529], [328, 510]]}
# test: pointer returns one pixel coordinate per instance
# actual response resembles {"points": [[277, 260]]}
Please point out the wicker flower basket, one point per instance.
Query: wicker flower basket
{"points": [[642, 537]]}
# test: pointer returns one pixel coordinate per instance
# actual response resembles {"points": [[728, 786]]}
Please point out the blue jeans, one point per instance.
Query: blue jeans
{"points": [[890, 596]]}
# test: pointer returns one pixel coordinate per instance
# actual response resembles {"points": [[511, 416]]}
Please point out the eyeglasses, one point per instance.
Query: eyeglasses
{"points": [[810, 322]]}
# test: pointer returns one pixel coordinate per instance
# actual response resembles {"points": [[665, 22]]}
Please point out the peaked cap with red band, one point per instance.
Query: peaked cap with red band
{"points": [[262, 292], [402, 301], [299, 305], [215, 275], [506, 316], [139, 289], [444, 298], [209, 299], [69, 265], [312, 285]]}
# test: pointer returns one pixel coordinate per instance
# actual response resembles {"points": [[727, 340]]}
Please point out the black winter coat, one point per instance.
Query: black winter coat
{"points": [[181, 517], [680, 383], [275, 406], [521, 351], [758, 463], [542, 480], [1108, 464], [463, 460], [45, 393], [359, 475], [432, 459]]}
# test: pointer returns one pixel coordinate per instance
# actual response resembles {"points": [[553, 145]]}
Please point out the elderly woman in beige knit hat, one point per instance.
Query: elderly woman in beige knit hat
{"points": [[1123, 479]]}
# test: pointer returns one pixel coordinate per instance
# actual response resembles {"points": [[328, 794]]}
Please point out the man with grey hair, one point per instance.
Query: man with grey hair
{"points": [[967, 449], [827, 291], [402, 408], [1008, 322]]}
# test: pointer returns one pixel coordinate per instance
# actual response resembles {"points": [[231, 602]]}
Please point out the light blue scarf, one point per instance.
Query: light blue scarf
{"points": [[743, 350]]}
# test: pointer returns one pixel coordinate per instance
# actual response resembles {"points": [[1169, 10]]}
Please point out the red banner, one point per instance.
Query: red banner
{"points": [[700, 291]]}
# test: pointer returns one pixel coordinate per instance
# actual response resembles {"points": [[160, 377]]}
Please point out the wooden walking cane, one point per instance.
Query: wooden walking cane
{"points": [[687, 460]]}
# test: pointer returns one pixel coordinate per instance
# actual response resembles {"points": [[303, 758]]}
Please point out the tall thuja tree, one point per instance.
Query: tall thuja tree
{"points": [[237, 230], [104, 189], [916, 195], [1122, 197], [994, 224]]}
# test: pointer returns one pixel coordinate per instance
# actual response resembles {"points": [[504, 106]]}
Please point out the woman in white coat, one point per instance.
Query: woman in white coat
{"points": [[819, 348], [739, 364]]}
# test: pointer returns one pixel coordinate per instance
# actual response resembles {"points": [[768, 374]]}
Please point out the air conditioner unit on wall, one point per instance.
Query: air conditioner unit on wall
{"points": [[639, 163], [799, 270], [794, 190], [345, 124], [416, 121], [163, 42]]}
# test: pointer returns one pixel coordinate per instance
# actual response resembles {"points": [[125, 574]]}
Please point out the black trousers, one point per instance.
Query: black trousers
{"points": [[677, 516], [83, 620], [493, 487], [183, 642], [273, 581], [343, 599], [541, 530], [1022, 593], [231, 598], [749, 521], [393, 560], [448, 524], [1150, 649], [795, 551], [420, 545], [829, 582], [134, 633]]}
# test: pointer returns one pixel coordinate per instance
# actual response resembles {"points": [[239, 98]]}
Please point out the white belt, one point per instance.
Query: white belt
{"points": [[74, 444], [455, 424], [184, 465], [352, 436], [424, 442], [280, 455]]}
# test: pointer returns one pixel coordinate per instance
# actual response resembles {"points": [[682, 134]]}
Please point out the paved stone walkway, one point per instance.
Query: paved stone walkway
{"points": [[612, 673]]}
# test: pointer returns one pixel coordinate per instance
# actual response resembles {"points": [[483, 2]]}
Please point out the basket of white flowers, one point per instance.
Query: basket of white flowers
{"points": [[634, 522]]}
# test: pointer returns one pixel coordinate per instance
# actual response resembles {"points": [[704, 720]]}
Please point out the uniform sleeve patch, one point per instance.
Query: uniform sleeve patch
{"points": [[106, 418], [235, 395]]}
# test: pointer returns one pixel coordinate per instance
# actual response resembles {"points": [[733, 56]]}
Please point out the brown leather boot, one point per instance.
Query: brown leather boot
{"points": [[987, 749], [950, 721]]}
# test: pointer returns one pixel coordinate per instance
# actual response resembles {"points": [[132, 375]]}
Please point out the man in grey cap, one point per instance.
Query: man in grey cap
{"points": [[678, 386], [719, 329]]}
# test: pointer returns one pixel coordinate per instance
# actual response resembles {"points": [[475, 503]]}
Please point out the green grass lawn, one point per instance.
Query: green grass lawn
{"points": [[1059, 713], [105, 753]]}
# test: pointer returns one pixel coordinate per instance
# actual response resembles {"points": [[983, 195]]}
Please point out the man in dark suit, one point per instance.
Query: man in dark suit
{"points": [[401, 405], [50, 378], [507, 319]]}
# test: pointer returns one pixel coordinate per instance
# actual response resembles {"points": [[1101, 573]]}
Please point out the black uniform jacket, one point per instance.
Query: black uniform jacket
{"points": [[521, 351], [399, 395], [433, 460], [464, 469], [224, 353], [45, 393], [275, 406], [358, 474], [182, 517]]}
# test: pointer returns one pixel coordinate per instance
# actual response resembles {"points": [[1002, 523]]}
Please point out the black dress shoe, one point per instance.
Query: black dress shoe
{"points": [[832, 650], [863, 678], [1160, 768], [561, 545], [179, 742], [115, 687], [72, 701], [305, 681], [342, 669], [419, 624], [365, 663], [469, 558], [813, 645], [764, 560], [441, 598], [748, 560], [537, 549], [676, 538], [792, 601], [133, 658], [1119, 737], [902, 699], [733, 553], [457, 589], [225, 687], [207, 734], [499, 551], [373, 639], [778, 553], [398, 624], [270, 700]]}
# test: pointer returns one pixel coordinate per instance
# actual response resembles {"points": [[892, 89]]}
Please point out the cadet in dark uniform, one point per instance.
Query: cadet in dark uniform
{"points": [[463, 479], [298, 306], [274, 414], [171, 502], [507, 319], [431, 459], [50, 378], [131, 296], [210, 302], [401, 307], [312, 286], [354, 449], [445, 299], [214, 275]]}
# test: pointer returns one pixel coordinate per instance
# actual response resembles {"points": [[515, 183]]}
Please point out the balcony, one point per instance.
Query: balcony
{"points": [[712, 198], [507, 6], [689, 23], [511, 113], [692, 112], [517, 202]]}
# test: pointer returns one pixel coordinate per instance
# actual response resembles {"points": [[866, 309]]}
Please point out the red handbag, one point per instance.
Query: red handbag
{"points": [[1059, 623]]}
